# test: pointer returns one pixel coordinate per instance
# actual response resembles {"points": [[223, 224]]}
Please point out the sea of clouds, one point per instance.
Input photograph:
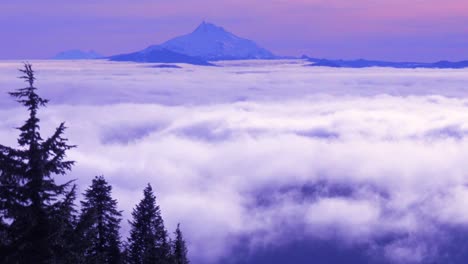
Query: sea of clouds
{"points": [[261, 154]]}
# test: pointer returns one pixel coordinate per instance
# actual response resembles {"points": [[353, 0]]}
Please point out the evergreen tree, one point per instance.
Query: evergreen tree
{"points": [[148, 242], [30, 200], [99, 224], [66, 220], [8, 186], [179, 249]]}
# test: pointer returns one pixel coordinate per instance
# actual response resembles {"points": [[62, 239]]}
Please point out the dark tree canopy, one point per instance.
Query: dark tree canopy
{"points": [[30, 200], [179, 248], [99, 224], [148, 242]]}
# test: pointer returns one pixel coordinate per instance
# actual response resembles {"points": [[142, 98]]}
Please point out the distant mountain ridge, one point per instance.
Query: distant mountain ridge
{"points": [[209, 42], [361, 63], [76, 54]]}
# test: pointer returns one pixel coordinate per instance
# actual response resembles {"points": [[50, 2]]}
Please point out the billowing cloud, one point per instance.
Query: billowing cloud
{"points": [[270, 153]]}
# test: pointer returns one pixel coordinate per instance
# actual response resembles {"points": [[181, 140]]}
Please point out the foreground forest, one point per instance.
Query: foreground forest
{"points": [[40, 221]]}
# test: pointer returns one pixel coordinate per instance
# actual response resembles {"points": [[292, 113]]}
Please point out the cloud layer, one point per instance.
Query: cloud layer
{"points": [[269, 153]]}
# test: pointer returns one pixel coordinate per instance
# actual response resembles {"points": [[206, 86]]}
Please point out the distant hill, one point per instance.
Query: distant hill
{"points": [[211, 42], [361, 63], [159, 55], [165, 66], [77, 55]]}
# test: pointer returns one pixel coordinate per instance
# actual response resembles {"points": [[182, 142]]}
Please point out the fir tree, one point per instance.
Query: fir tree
{"points": [[30, 199], [8, 198], [99, 224], [179, 249], [66, 220], [148, 242]]}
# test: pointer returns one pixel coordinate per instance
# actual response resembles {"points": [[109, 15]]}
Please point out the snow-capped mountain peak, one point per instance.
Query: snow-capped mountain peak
{"points": [[212, 42], [209, 28], [208, 42]]}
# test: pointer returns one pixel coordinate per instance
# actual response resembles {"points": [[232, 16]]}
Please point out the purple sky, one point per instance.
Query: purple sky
{"points": [[419, 30]]}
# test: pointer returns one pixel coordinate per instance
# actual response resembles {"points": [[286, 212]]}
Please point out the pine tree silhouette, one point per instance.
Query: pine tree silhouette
{"points": [[99, 224], [66, 217], [148, 241], [179, 249], [31, 203]]}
